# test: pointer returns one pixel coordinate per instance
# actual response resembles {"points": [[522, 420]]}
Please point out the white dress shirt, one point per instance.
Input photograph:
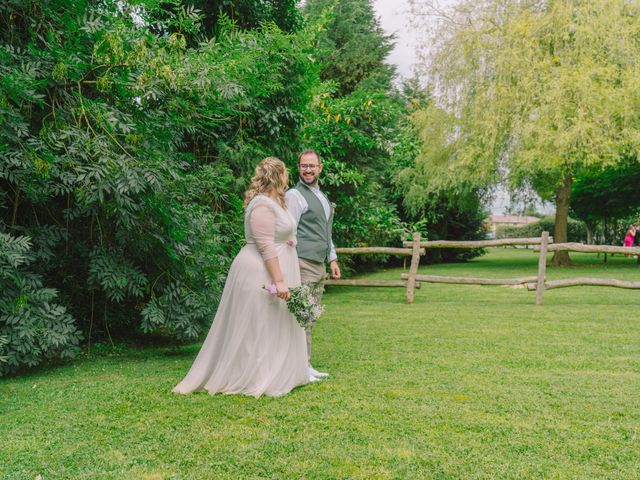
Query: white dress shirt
{"points": [[297, 206]]}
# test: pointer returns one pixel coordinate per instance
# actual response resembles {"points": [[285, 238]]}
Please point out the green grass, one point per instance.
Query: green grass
{"points": [[468, 382]]}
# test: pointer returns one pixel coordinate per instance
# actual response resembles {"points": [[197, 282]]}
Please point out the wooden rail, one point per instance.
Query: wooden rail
{"points": [[369, 283], [580, 247], [407, 252], [472, 280], [416, 248], [502, 242], [538, 283], [587, 281], [410, 284]]}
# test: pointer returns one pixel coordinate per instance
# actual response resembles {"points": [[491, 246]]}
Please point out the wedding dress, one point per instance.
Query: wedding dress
{"points": [[255, 346]]}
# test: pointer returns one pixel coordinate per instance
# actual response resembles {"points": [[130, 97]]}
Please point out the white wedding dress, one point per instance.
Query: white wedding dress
{"points": [[255, 346]]}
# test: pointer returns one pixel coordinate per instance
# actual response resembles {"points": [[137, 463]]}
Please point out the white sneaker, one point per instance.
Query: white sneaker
{"points": [[313, 379], [316, 373]]}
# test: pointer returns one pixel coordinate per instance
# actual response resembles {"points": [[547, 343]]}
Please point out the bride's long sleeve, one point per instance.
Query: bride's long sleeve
{"points": [[262, 221]]}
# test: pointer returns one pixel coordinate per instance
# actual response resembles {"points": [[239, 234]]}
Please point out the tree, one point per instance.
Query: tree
{"points": [[353, 46], [441, 215], [250, 14], [354, 121], [246, 14], [531, 92], [605, 196]]}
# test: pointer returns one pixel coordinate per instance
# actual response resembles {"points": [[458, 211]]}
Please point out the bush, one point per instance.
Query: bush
{"points": [[32, 327], [576, 230]]}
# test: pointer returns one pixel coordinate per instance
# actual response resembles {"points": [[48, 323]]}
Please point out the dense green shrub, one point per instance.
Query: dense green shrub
{"points": [[576, 230], [32, 326], [349, 132]]}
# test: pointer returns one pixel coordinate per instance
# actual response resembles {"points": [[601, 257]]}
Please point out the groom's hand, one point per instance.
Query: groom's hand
{"points": [[335, 269]]}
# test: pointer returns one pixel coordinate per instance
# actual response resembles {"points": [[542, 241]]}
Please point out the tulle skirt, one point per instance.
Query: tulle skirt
{"points": [[254, 347]]}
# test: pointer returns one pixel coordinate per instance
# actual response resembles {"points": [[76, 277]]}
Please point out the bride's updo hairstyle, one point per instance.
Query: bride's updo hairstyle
{"points": [[271, 175]]}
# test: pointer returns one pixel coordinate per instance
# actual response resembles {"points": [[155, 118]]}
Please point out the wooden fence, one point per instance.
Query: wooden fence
{"points": [[414, 251], [588, 281], [542, 244]]}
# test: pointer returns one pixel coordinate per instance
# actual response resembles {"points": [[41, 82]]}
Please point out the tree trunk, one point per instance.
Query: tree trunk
{"points": [[562, 216], [604, 235], [590, 228]]}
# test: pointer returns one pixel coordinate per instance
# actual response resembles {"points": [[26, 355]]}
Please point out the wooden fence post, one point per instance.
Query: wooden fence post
{"points": [[413, 269], [542, 267]]}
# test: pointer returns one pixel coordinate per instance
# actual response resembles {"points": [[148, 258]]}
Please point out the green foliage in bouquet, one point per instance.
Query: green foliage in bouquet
{"points": [[304, 305]]}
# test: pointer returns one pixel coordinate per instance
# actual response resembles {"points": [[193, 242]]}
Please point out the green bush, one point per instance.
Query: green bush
{"points": [[32, 327], [576, 230]]}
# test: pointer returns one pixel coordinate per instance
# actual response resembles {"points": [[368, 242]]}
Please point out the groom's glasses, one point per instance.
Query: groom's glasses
{"points": [[307, 166]]}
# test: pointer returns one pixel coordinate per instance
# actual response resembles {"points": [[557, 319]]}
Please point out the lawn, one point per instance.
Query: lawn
{"points": [[468, 382]]}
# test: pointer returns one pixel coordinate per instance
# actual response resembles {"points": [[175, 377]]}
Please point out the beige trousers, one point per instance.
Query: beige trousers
{"points": [[311, 271]]}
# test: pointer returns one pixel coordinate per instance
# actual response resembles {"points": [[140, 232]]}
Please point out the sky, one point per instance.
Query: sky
{"points": [[394, 18]]}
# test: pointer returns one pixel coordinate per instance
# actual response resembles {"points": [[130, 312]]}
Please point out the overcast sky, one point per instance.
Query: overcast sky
{"points": [[394, 18]]}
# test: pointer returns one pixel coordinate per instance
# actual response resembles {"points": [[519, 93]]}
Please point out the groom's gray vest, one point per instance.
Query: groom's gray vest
{"points": [[314, 231]]}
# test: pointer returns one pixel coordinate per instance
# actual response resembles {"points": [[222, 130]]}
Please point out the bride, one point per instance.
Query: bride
{"points": [[255, 346]]}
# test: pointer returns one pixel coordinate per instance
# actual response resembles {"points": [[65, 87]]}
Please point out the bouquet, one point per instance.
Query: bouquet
{"points": [[302, 303]]}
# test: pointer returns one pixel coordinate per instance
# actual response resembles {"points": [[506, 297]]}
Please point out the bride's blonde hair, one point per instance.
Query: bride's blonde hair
{"points": [[270, 175]]}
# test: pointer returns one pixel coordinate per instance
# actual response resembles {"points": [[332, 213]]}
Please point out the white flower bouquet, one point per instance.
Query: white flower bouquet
{"points": [[302, 303]]}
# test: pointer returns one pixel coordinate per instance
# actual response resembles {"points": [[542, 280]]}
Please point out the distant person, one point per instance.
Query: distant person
{"points": [[630, 237], [636, 241]]}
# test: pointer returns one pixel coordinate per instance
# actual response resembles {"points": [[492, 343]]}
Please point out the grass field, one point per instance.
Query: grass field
{"points": [[469, 382]]}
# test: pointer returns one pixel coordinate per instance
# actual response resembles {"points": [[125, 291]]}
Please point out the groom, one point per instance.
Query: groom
{"points": [[313, 212]]}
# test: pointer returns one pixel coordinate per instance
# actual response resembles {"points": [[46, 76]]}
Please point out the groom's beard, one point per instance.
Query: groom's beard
{"points": [[313, 183]]}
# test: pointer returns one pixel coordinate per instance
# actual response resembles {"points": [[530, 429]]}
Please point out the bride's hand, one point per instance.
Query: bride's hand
{"points": [[282, 291]]}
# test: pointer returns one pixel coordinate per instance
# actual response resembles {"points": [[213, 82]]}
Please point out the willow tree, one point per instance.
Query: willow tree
{"points": [[529, 93]]}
